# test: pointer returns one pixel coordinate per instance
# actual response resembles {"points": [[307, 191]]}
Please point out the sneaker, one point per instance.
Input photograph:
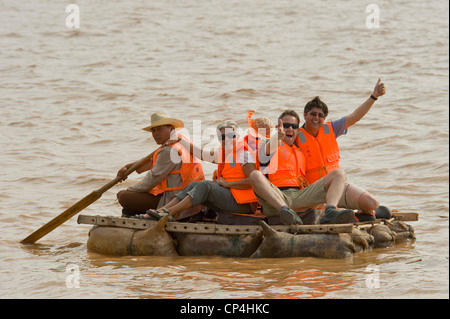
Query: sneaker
{"points": [[359, 217], [336, 216], [383, 212], [127, 213], [289, 217]]}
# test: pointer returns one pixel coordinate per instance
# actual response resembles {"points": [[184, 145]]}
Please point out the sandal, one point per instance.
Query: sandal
{"points": [[145, 216]]}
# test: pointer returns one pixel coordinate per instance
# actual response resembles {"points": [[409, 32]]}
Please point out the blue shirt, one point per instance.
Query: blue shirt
{"points": [[339, 127]]}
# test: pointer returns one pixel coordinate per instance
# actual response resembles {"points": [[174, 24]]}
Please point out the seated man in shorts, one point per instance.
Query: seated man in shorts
{"points": [[317, 140], [286, 179]]}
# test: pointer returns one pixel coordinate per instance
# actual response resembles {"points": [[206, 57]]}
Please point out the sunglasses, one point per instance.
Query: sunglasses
{"points": [[228, 135], [314, 114], [287, 125]]}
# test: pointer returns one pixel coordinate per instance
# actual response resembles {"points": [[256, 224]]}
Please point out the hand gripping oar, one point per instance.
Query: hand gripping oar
{"points": [[82, 203]]}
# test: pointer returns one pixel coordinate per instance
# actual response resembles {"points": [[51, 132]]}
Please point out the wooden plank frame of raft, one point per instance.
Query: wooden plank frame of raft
{"points": [[405, 217], [208, 228]]}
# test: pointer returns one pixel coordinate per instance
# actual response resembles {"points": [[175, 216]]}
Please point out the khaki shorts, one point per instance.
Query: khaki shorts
{"points": [[311, 196]]}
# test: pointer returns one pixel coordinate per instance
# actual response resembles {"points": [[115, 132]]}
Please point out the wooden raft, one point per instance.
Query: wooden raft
{"points": [[209, 228]]}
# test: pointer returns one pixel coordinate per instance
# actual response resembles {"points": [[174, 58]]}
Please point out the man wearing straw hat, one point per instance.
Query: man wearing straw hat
{"points": [[171, 170]]}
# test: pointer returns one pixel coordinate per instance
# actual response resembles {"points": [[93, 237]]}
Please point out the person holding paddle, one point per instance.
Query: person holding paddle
{"points": [[171, 169], [157, 187]]}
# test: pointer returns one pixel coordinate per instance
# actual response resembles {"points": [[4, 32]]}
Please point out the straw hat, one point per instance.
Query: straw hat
{"points": [[160, 119]]}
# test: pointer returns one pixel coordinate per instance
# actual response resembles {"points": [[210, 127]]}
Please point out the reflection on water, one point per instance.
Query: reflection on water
{"points": [[216, 277]]}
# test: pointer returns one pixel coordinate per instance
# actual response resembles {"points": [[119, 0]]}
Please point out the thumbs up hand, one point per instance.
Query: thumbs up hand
{"points": [[281, 133], [379, 89]]}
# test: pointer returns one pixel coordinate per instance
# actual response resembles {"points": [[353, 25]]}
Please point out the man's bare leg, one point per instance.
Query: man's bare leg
{"points": [[174, 210], [335, 185]]}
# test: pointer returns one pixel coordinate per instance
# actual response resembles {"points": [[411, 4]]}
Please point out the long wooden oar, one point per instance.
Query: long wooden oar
{"points": [[82, 203]]}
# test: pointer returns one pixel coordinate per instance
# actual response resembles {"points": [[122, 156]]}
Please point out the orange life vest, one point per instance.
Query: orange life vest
{"points": [[321, 152], [191, 170], [231, 171], [287, 167]]}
